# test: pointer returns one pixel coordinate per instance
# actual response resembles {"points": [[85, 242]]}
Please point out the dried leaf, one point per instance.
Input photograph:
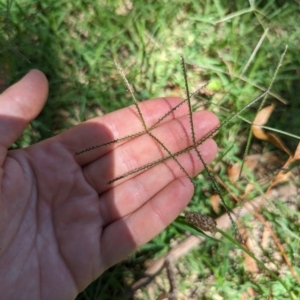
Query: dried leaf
{"points": [[248, 189], [215, 201], [283, 175], [262, 118], [263, 115], [297, 153], [280, 178], [285, 172], [275, 140], [251, 162], [233, 172]]}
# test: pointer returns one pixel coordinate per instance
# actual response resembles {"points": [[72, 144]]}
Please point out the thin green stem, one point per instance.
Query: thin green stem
{"points": [[278, 97], [250, 136], [260, 263]]}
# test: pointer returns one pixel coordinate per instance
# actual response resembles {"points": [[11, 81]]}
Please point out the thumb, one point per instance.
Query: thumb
{"points": [[19, 105]]}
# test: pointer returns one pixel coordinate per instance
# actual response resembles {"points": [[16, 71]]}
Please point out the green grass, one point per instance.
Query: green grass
{"points": [[75, 43]]}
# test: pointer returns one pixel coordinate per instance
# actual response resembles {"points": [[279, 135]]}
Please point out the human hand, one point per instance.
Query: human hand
{"points": [[61, 226]]}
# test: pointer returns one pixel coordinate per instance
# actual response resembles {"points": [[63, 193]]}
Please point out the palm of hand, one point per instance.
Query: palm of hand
{"points": [[55, 222], [61, 226]]}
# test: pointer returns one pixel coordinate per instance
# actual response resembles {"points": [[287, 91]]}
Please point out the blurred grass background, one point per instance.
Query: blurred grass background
{"points": [[74, 44]]}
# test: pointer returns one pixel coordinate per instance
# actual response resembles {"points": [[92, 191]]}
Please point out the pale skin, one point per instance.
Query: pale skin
{"points": [[61, 226]]}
